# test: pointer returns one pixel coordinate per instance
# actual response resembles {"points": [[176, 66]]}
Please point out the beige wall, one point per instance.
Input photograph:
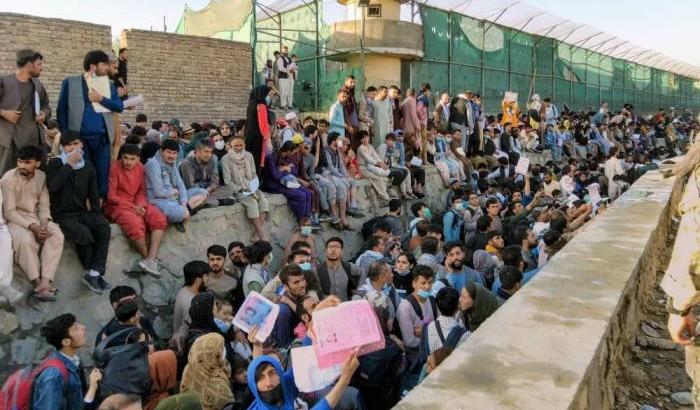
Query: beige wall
{"points": [[63, 43], [391, 10], [379, 69], [188, 77]]}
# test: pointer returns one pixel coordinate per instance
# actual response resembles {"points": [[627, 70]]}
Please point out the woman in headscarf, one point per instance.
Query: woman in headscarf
{"points": [[162, 367], [279, 177], [208, 373], [476, 303], [257, 136]]}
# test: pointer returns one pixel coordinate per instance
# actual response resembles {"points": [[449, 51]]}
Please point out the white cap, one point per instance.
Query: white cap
{"points": [[291, 116]]}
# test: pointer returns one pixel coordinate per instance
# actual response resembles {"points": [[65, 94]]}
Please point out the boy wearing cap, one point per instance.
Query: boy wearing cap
{"points": [[19, 124]]}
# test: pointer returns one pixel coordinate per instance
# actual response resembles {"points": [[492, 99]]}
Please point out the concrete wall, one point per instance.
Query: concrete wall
{"points": [[63, 43], [188, 77], [560, 341]]}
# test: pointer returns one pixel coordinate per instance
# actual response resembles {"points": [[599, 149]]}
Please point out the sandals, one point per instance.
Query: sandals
{"points": [[45, 294]]}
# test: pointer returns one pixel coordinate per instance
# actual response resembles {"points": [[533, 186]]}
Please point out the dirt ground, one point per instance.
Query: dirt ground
{"points": [[656, 367]]}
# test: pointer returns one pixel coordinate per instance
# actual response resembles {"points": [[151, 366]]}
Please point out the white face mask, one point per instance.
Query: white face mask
{"points": [[219, 144]]}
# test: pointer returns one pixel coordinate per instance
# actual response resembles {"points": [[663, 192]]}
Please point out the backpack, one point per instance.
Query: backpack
{"points": [[439, 218], [416, 306], [124, 366], [16, 393]]}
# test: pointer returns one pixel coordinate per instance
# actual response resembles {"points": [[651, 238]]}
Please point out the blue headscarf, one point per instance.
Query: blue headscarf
{"points": [[287, 381]]}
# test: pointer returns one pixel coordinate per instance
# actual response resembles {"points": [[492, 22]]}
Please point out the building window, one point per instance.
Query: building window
{"points": [[374, 10]]}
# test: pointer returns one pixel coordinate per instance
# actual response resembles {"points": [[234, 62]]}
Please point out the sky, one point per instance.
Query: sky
{"points": [[673, 32]]}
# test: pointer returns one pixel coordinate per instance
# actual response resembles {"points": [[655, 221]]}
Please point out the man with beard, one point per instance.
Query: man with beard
{"points": [[76, 112], [285, 78], [294, 282], [196, 277], [238, 259], [351, 116], [527, 240], [20, 94], [457, 274], [221, 281], [396, 112], [120, 80], [37, 241]]}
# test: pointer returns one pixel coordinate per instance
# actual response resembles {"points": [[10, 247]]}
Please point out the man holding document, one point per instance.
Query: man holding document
{"points": [[85, 105]]}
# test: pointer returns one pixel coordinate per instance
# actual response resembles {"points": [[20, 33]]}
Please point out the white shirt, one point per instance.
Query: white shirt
{"points": [[447, 323]]}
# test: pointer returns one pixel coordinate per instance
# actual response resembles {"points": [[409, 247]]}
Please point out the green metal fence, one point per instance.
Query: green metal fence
{"points": [[463, 53]]}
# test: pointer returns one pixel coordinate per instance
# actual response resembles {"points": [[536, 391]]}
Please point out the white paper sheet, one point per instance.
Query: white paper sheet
{"points": [[416, 162], [308, 376], [133, 101], [101, 85], [522, 166]]}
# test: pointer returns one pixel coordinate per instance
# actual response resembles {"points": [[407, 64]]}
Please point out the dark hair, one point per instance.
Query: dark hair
{"points": [[120, 292], [235, 244], [94, 57], [375, 270], [510, 276], [204, 143], [335, 239], [409, 256], [57, 329], [309, 129], [298, 252], [435, 228], [447, 301], [216, 250], [429, 246], [138, 130], [257, 251], [512, 256], [25, 57], [551, 237], [422, 227], [194, 270], [371, 89], [558, 224], [382, 225], [394, 205], [288, 271], [417, 206], [68, 137], [141, 117], [483, 223], [373, 241], [520, 234], [130, 149], [331, 137], [450, 245], [169, 144], [425, 86], [491, 201], [300, 245], [424, 271], [28, 152], [126, 310], [156, 125], [390, 136], [121, 50]]}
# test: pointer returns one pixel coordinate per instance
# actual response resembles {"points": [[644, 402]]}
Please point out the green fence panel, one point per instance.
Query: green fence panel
{"points": [[495, 85], [496, 47], [521, 53], [465, 78], [436, 31], [544, 55], [464, 31], [562, 92]]}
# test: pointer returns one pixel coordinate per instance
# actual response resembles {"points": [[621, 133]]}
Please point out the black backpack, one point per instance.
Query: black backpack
{"points": [[368, 227], [124, 367]]}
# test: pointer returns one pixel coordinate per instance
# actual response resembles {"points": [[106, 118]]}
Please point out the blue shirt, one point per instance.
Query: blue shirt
{"points": [[52, 392], [459, 280], [93, 123], [526, 278]]}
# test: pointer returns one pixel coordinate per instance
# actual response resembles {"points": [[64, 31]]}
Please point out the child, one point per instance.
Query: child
{"points": [[239, 384], [293, 69]]}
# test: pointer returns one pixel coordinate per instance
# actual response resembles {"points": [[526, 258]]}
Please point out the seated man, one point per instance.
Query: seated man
{"points": [[165, 188], [37, 241], [8, 294], [72, 183], [201, 176], [117, 297], [128, 206], [294, 281]]}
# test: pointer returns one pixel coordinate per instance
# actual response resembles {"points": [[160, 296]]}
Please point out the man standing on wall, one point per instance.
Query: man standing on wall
{"points": [[681, 279], [24, 106], [122, 70], [94, 122], [286, 80]]}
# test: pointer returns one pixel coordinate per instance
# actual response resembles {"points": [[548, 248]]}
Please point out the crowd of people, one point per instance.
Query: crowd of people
{"points": [[431, 282]]}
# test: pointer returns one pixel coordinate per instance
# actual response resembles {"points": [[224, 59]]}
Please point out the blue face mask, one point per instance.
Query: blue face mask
{"points": [[222, 325], [386, 289], [268, 100], [305, 266], [425, 293]]}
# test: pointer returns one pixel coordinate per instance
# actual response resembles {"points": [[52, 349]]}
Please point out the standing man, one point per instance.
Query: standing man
{"points": [[37, 240], [94, 122], [422, 109], [24, 106], [352, 118], [120, 81], [680, 280], [286, 80], [382, 116]]}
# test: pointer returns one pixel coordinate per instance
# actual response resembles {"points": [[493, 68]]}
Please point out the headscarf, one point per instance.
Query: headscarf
{"points": [[208, 373], [243, 169], [254, 138], [202, 312], [182, 401], [162, 367], [288, 389], [485, 303]]}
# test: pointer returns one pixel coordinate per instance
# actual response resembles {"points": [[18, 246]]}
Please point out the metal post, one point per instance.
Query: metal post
{"points": [[483, 62], [449, 52], [510, 81], [317, 65], [362, 49]]}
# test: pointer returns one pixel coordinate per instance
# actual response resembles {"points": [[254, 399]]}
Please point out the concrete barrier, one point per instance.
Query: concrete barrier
{"points": [[558, 343]]}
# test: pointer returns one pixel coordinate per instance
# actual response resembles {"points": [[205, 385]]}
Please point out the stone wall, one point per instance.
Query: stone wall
{"points": [[20, 342], [188, 77], [560, 341], [63, 43]]}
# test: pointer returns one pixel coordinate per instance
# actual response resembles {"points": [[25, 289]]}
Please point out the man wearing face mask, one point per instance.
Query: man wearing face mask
{"points": [[83, 109], [416, 310], [452, 221]]}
